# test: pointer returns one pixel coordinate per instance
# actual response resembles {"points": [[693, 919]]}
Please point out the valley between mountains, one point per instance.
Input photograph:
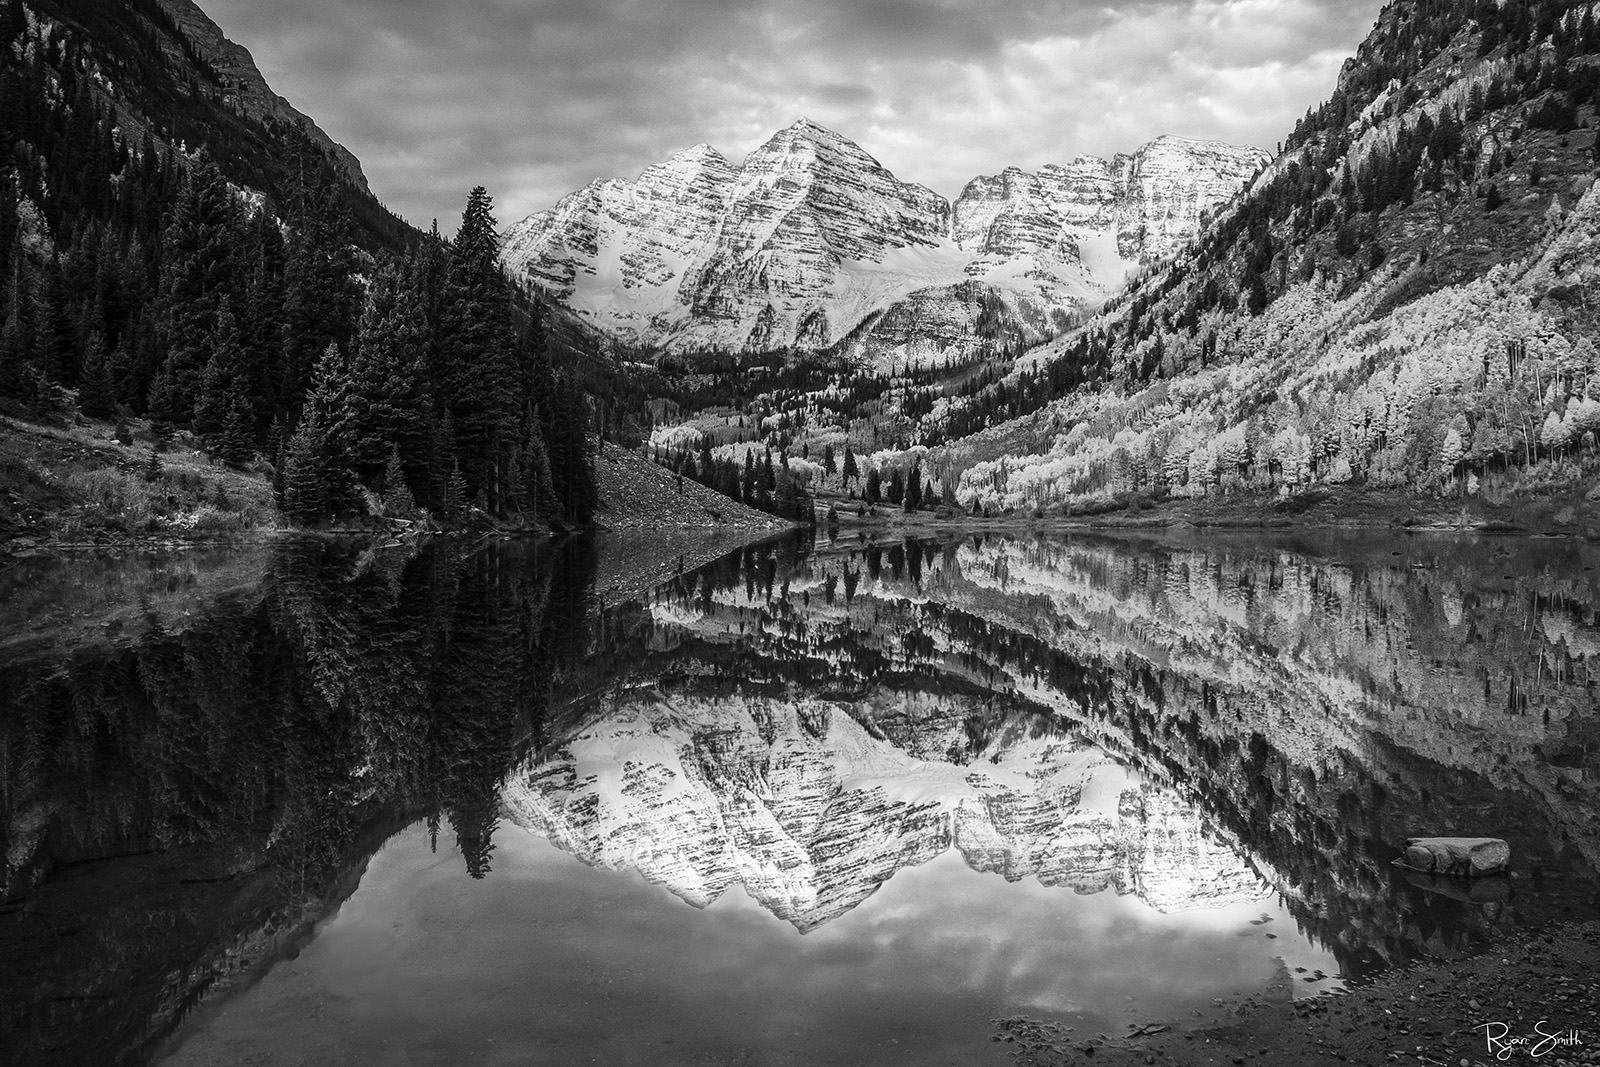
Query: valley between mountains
{"points": [[1395, 305], [1398, 303]]}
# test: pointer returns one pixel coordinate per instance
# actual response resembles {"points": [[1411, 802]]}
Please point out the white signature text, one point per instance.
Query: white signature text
{"points": [[1501, 1042]]}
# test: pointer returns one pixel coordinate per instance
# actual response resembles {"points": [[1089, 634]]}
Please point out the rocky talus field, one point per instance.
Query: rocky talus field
{"points": [[636, 494]]}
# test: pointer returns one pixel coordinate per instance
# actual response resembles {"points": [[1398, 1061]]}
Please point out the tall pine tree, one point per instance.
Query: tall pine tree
{"points": [[198, 274], [475, 339]]}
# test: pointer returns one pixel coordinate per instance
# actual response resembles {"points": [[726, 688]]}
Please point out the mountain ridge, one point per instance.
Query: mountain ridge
{"points": [[249, 87], [810, 239]]}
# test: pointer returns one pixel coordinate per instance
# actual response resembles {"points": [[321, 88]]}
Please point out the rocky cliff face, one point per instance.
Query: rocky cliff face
{"points": [[626, 241], [1149, 202], [810, 807], [812, 243], [250, 91]]}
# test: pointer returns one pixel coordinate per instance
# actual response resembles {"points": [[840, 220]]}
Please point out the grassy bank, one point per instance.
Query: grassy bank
{"points": [[75, 483]]}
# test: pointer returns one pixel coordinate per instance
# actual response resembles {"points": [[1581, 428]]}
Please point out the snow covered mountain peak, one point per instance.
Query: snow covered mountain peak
{"points": [[811, 239]]}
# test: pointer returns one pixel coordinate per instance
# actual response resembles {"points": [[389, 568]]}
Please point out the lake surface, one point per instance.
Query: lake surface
{"points": [[812, 802]]}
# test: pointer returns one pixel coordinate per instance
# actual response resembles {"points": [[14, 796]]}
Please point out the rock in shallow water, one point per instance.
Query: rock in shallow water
{"points": [[1468, 856]]}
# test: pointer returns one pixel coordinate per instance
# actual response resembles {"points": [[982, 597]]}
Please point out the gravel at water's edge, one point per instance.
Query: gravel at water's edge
{"points": [[1430, 1013]]}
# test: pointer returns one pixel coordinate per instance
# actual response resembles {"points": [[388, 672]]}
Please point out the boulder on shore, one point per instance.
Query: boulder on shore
{"points": [[1466, 856]]}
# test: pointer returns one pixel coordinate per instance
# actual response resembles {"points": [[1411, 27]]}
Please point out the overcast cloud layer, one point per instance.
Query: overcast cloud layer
{"points": [[535, 98]]}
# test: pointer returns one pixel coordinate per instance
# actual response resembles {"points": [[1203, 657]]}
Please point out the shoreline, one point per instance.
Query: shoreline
{"points": [[1321, 510], [25, 546], [1537, 990]]}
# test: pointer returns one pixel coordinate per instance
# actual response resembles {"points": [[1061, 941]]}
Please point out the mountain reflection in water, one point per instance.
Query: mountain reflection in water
{"points": [[199, 772], [1178, 719]]}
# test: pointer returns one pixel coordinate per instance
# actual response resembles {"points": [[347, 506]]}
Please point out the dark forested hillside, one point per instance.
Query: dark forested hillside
{"points": [[213, 268], [182, 87]]}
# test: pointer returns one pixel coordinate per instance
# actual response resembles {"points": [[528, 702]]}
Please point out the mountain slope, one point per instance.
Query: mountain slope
{"points": [[244, 86], [170, 74], [1398, 300], [811, 243]]}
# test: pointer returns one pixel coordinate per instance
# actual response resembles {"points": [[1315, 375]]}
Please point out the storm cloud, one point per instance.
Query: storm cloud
{"points": [[535, 98]]}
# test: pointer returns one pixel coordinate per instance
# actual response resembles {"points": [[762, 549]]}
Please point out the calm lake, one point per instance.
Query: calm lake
{"points": [[806, 802]]}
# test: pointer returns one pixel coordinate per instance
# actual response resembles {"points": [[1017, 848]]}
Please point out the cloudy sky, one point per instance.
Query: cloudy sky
{"points": [[535, 98]]}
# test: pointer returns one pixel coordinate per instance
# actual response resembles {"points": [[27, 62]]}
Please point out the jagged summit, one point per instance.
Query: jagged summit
{"points": [[811, 239], [809, 128], [699, 152]]}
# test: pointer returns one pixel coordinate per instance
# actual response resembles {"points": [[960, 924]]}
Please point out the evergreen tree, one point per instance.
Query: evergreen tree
{"points": [[727, 482], [307, 496], [339, 404], [455, 494], [96, 398], [321, 298], [225, 380], [570, 455], [199, 273], [18, 378], [475, 352], [260, 311], [236, 444], [398, 501], [539, 494], [786, 497], [57, 353], [166, 402], [707, 463], [388, 379]]}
